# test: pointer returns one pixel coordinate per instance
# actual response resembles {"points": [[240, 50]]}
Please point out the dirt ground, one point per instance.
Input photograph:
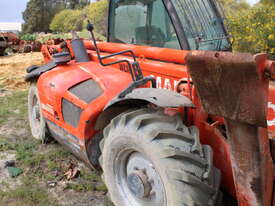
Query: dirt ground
{"points": [[43, 181]]}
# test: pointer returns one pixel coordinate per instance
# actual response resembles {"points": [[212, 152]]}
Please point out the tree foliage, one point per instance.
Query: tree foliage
{"points": [[252, 30], [97, 13], [28, 37], [39, 13], [68, 20], [268, 2], [233, 7], [76, 4], [37, 16]]}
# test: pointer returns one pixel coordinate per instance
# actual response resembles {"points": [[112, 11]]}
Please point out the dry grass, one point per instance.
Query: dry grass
{"points": [[13, 69]]}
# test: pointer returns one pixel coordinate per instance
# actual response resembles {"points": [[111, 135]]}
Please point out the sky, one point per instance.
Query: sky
{"points": [[11, 10]]}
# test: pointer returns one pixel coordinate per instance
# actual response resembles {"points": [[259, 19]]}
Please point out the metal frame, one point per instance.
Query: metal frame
{"points": [[220, 16], [177, 25]]}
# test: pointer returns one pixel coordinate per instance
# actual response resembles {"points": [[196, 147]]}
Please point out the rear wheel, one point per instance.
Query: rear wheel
{"points": [[37, 121], [150, 159]]}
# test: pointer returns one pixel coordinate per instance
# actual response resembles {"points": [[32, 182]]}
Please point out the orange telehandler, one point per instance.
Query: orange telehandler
{"points": [[164, 107]]}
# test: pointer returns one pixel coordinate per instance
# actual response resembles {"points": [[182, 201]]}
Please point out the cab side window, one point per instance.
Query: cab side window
{"points": [[142, 22]]}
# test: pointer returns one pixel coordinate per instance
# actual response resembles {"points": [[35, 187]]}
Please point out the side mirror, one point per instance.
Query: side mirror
{"points": [[90, 26]]}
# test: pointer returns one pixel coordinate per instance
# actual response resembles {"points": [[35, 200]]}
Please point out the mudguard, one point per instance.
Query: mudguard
{"points": [[140, 97], [35, 72], [159, 97]]}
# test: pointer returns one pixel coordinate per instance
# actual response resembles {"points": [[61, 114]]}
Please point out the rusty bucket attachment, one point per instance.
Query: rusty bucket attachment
{"points": [[234, 86]]}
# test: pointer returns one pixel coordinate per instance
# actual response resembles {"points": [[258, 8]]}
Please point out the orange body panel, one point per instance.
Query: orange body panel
{"points": [[271, 110], [167, 65], [59, 80]]}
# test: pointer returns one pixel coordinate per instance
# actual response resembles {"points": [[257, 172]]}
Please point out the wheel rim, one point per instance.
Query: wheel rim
{"points": [[35, 114], [138, 181]]}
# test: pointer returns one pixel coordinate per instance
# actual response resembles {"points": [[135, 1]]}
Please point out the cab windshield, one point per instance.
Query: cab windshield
{"points": [[142, 22], [202, 25], [149, 22]]}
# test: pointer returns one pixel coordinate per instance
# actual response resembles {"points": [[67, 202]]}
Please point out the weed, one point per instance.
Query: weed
{"points": [[26, 150], [80, 186], [58, 152], [50, 177], [88, 181], [30, 193], [91, 176], [101, 187], [52, 165], [13, 106], [6, 145]]}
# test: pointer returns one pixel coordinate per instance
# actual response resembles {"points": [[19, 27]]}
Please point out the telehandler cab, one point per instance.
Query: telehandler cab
{"points": [[163, 107]]}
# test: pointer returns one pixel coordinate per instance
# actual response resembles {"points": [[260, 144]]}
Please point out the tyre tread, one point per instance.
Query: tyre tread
{"points": [[172, 136]]}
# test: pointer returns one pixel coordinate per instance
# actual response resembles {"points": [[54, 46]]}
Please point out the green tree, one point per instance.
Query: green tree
{"points": [[253, 31], [35, 17], [28, 37], [76, 4], [97, 13], [39, 13], [68, 20], [267, 2], [234, 7], [251, 28]]}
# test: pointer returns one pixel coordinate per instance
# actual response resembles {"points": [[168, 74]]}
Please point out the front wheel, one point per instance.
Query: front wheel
{"points": [[150, 159], [37, 121]]}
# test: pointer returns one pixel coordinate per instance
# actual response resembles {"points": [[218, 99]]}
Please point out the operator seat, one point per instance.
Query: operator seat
{"points": [[150, 35]]}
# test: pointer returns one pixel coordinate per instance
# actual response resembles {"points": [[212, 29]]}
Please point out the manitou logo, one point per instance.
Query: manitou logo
{"points": [[162, 83], [272, 107], [165, 83]]}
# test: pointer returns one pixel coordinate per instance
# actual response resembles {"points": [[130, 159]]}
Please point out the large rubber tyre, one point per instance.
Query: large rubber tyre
{"points": [[37, 122], [180, 170]]}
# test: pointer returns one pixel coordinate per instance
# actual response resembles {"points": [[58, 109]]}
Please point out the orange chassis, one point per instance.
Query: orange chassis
{"points": [[168, 66]]}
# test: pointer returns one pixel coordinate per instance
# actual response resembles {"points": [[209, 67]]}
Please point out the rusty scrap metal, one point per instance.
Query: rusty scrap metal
{"points": [[8, 40], [234, 86], [11, 40]]}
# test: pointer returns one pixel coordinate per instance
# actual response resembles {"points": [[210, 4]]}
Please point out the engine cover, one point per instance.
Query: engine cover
{"points": [[73, 95]]}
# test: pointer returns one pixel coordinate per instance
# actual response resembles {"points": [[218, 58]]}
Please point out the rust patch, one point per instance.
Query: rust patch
{"points": [[229, 85], [256, 187]]}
